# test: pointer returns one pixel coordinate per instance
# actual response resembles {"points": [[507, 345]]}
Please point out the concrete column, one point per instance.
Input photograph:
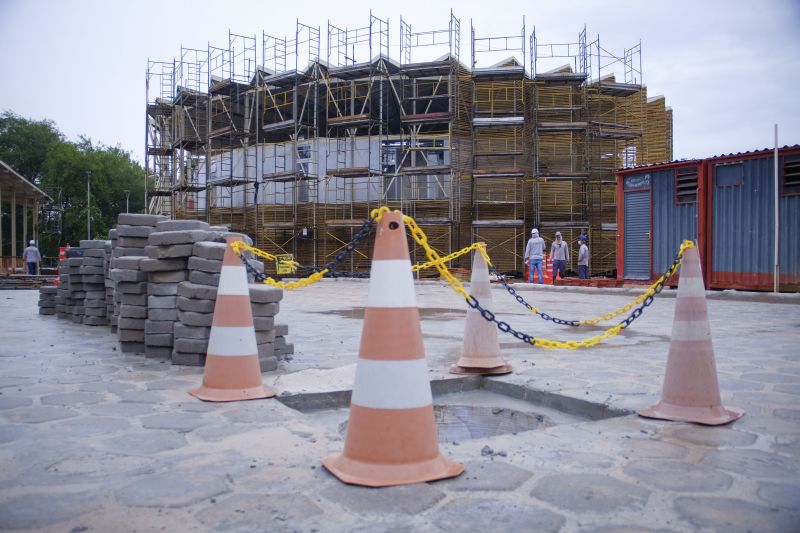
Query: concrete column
{"points": [[35, 222], [24, 223], [13, 227]]}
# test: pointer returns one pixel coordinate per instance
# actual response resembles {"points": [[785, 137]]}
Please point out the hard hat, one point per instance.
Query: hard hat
{"points": [[558, 234], [534, 231], [32, 243], [582, 237]]}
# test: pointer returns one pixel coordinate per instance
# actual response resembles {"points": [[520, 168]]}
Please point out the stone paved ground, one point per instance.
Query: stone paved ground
{"points": [[94, 440]]}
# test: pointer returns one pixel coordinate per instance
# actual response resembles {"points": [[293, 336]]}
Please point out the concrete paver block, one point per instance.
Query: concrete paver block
{"points": [[124, 230], [205, 265], [204, 278], [590, 493], [158, 265], [168, 252], [166, 238], [498, 516], [139, 219], [178, 225], [175, 276], [210, 250]]}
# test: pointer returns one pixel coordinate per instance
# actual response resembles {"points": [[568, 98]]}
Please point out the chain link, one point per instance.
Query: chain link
{"points": [[481, 247], [652, 290], [317, 274]]}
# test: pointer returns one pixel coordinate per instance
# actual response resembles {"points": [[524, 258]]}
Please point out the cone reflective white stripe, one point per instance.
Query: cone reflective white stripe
{"points": [[232, 371], [391, 284], [227, 341], [691, 389], [391, 432], [233, 281], [480, 354], [392, 384]]}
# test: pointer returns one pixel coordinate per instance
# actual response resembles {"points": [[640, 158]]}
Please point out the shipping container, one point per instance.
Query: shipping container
{"points": [[724, 203]]}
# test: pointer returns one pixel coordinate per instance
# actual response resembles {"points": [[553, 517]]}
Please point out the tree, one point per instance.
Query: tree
{"points": [[24, 144], [40, 153]]}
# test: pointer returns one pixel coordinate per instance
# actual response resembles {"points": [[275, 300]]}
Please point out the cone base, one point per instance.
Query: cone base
{"points": [[478, 371], [366, 474], [231, 395], [709, 416]]}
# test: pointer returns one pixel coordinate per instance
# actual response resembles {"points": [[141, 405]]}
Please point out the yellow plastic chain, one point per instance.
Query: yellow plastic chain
{"points": [[436, 260], [651, 291], [481, 247], [238, 246]]}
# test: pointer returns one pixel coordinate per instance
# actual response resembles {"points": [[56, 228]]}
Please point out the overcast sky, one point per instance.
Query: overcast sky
{"points": [[728, 68]]}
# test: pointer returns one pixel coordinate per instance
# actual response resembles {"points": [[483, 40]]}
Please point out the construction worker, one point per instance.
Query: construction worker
{"points": [[534, 253], [32, 258], [559, 252], [583, 258]]}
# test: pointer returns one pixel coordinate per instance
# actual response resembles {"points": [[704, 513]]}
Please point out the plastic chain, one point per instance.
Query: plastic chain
{"points": [[651, 291]]}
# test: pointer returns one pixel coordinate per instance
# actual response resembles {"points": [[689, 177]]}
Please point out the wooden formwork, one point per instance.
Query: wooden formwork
{"points": [[504, 244]]}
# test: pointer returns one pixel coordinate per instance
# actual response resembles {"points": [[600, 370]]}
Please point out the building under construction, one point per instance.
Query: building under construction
{"points": [[294, 139]]}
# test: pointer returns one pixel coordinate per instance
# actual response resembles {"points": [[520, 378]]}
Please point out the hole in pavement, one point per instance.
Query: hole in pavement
{"points": [[468, 408]]}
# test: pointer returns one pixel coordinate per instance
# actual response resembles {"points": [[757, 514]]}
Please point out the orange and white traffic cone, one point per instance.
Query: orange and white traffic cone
{"points": [[547, 265], [481, 351], [691, 390], [232, 370], [391, 434]]}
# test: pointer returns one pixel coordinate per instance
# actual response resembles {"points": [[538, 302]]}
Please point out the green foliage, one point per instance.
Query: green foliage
{"points": [[62, 172]]}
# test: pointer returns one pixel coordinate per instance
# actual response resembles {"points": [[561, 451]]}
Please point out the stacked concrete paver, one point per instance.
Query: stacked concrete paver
{"points": [[109, 283], [169, 248], [63, 298], [92, 271], [47, 300], [155, 283], [133, 231], [76, 292]]}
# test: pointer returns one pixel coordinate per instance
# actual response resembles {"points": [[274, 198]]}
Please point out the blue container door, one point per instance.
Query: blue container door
{"points": [[637, 235]]}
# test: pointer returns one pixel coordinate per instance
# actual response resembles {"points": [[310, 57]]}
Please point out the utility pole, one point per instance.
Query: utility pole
{"points": [[88, 210], [127, 203]]}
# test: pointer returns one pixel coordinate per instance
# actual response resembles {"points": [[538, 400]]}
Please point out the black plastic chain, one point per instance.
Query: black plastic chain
{"points": [[503, 326], [506, 328], [636, 313], [363, 231], [520, 299]]}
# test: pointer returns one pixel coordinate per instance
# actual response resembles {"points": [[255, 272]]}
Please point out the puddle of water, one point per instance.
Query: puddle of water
{"points": [[466, 415], [424, 312]]}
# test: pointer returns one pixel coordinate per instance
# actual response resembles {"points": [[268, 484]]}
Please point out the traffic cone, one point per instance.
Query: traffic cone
{"points": [[481, 351], [691, 390], [547, 267], [232, 370], [391, 434]]}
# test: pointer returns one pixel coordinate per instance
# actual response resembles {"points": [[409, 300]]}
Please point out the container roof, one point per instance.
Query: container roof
{"points": [[732, 155]]}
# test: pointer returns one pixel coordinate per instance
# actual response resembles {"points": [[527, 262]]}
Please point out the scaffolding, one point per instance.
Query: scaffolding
{"points": [[502, 131], [295, 145], [190, 134], [159, 88], [290, 121]]}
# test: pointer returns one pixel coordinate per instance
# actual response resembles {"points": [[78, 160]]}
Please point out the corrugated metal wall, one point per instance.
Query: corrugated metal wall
{"points": [[741, 217], [743, 226], [672, 223], [637, 229]]}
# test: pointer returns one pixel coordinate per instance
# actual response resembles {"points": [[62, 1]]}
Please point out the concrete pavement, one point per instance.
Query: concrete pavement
{"points": [[95, 440]]}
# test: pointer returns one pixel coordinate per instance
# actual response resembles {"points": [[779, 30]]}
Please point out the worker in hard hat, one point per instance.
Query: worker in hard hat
{"points": [[32, 258], [534, 254]]}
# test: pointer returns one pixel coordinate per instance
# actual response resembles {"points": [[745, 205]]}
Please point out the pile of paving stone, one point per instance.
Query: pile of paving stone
{"points": [[169, 249], [63, 299], [47, 300], [133, 231], [196, 300], [92, 271], [108, 282], [76, 292], [155, 282]]}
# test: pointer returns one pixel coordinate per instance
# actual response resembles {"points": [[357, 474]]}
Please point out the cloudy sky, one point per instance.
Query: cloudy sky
{"points": [[728, 68]]}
